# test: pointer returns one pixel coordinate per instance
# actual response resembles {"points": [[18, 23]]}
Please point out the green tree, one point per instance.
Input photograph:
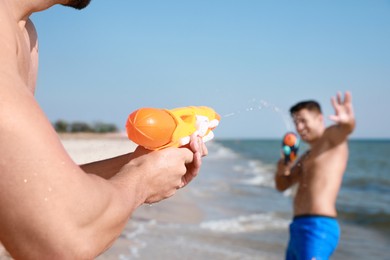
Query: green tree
{"points": [[100, 127], [61, 126], [77, 127]]}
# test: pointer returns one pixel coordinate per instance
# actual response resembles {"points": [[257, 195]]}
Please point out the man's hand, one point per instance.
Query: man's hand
{"points": [[283, 168], [199, 149], [286, 174], [343, 109], [343, 117], [167, 170]]}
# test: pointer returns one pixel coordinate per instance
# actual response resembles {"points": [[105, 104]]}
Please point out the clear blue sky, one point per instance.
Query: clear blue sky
{"points": [[101, 63]]}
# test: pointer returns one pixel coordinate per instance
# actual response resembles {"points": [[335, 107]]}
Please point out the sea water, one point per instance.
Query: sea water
{"points": [[244, 217]]}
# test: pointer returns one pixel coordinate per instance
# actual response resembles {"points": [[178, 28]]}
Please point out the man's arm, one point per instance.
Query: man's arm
{"points": [[49, 207], [344, 119], [286, 175], [107, 168]]}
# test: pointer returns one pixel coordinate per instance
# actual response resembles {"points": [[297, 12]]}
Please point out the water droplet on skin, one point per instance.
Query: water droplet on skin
{"points": [[25, 180]]}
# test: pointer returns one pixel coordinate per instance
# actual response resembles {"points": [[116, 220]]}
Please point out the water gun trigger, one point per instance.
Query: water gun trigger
{"points": [[208, 137], [204, 127], [186, 140]]}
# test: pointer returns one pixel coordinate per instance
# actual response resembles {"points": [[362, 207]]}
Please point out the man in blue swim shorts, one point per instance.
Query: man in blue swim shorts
{"points": [[314, 231]]}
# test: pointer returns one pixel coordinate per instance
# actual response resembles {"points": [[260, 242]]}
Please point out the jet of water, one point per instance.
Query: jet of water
{"points": [[263, 104]]}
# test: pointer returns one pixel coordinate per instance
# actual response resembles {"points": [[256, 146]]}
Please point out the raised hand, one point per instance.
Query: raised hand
{"points": [[343, 109]]}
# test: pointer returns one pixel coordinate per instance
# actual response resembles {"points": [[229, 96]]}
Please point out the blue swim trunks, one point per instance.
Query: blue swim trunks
{"points": [[312, 237]]}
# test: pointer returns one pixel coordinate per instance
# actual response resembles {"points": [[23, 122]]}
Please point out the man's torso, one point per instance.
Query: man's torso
{"points": [[320, 175]]}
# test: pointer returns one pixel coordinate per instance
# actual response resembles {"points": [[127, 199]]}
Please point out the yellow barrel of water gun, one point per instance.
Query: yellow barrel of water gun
{"points": [[155, 128]]}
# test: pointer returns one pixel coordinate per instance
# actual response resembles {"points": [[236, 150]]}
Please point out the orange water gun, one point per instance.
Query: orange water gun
{"points": [[155, 128]]}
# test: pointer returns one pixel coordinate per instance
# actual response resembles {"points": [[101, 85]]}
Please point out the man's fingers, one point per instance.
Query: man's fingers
{"points": [[348, 97], [334, 102], [192, 169], [205, 150], [188, 156], [334, 118], [339, 98], [193, 159]]}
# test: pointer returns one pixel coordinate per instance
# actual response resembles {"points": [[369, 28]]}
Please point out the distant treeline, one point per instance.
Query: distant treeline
{"points": [[62, 126]]}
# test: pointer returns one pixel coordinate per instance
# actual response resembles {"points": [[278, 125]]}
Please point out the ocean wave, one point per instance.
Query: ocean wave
{"points": [[137, 228], [254, 172], [379, 185], [246, 223], [379, 220], [218, 151], [260, 174]]}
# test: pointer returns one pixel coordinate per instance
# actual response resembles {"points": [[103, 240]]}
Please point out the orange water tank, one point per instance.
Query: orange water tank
{"points": [[150, 127]]}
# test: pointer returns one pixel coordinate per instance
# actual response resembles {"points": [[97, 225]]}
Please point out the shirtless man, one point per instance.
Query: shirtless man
{"points": [[314, 232], [51, 208]]}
